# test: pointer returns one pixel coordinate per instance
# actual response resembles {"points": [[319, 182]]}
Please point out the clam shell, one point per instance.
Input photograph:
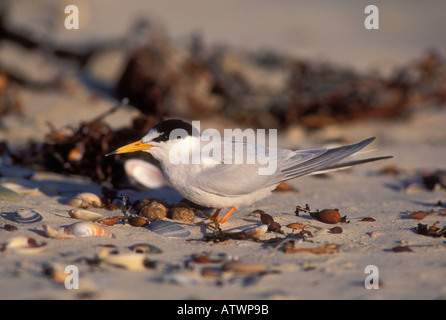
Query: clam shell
{"points": [[26, 215], [252, 230], [145, 173], [244, 267], [82, 214], [85, 200], [25, 245], [168, 229]]}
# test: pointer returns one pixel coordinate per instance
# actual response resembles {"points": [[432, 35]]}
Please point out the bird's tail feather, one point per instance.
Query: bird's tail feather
{"points": [[348, 164]]}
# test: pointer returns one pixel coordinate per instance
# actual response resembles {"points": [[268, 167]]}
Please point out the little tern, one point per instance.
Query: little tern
{"points": [[218, 182]]}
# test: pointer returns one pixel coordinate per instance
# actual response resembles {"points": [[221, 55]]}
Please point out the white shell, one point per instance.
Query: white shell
{"points": [[26, 215], [145, 173], [82, 214], [168, 229], [85, 200], [25, 245], [253, 230]]}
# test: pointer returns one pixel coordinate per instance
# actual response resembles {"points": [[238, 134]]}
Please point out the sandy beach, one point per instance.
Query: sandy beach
{"points": [[411, 265]]}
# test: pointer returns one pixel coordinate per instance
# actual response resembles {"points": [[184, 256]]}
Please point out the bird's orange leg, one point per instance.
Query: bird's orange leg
{"points": [[223, 220]]}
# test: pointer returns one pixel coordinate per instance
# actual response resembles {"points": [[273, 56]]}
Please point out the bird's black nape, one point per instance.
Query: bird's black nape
{"points": [[166, 127]]}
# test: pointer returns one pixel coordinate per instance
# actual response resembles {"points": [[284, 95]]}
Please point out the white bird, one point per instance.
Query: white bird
{"points": [[217, 180]]}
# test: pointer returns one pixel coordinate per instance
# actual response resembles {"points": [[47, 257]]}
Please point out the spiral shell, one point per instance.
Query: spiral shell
{"points": [[88, 229], [79, 230], [85, 200]]}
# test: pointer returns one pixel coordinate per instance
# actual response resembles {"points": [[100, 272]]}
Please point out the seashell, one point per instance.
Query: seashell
{"points": [[82, 214], [145, 173], [244, 267], [111, 221], [207, 257], [130, 261], [26, 215], [88, 229], [296, 226], [145, 248], [55, 272], [168, 229], [153, 209], [51, 232], [79, 230], [9, 195], [136, 221], [25, 245], [252, 230], [85, 200]]}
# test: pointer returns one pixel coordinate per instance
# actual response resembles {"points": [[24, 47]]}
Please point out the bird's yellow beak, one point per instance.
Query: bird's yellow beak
{"points": [[132, 147]]}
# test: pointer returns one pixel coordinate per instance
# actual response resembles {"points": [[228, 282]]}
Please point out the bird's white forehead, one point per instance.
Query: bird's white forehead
{"points": [[152, 134]]}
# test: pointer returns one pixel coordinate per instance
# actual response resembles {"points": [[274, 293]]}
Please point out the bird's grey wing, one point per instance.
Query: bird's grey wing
{"points": [[324, 160], [231, 178]]}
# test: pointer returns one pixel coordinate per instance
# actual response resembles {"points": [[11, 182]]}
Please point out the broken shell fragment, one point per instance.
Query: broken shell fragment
{"points": [[336, 230], [79, 230], [26, 215], [418, 215], [136, 221], [82, 214], [244, 267], [25, 245], [207, 257], [85, 200], [145, 248], [251, 230], [145, 173], [296, 226], [129, 261], [168, 229]]}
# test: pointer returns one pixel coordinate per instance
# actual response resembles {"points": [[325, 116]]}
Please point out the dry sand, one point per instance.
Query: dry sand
{"points": [[417, 143]]}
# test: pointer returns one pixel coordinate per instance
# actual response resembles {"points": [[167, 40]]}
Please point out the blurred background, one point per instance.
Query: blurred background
{"points": [[261, 64]]}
